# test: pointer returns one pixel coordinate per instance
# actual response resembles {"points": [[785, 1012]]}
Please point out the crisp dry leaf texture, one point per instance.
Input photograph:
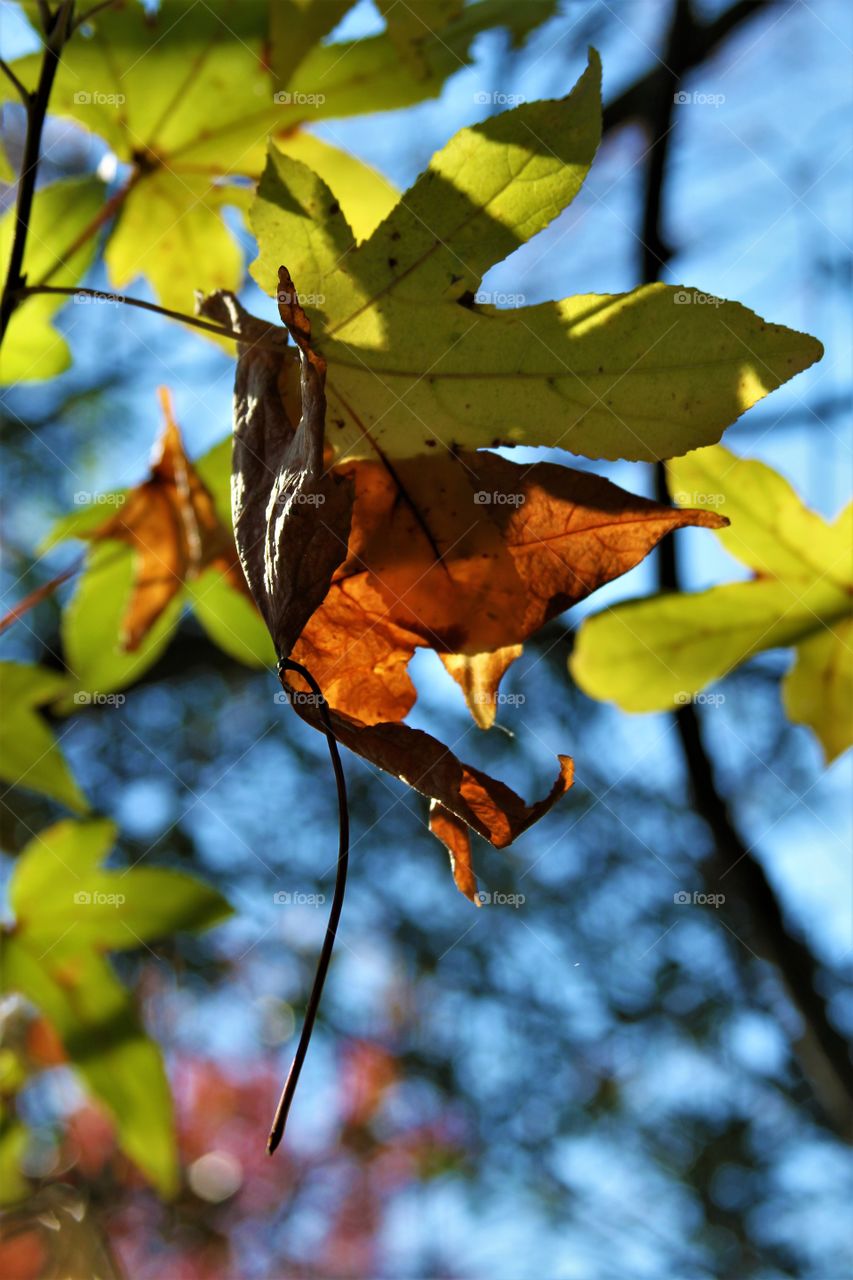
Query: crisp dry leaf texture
{"points": [[468, 555], [355, 566], [461, 796], [291, 514]]}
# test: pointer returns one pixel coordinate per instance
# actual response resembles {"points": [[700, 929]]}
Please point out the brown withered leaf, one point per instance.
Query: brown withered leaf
{"points": [[170, 521], [479, 675], [291, 514], [356, 567], [461, 796], [467, 554]]}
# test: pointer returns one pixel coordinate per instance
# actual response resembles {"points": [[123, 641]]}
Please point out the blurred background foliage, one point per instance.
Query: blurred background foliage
{"points": [[599, 1081]]}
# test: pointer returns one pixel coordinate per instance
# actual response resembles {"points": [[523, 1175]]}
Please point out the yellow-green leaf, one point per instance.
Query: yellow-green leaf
{"points": [[171, 231], [65, 901], [364, 195], [818, 690], [231, 620], [296, 213], [95, 1020], [14, 1141], [419, 357], [91, 627], [191, 92], [161, 84], [415, 24], [349, 78], [657, 653], [32, 348], [7, 173], [631, 376], [771, 530], [295, 27], [30, 755], [491, 188], [68, 910]]}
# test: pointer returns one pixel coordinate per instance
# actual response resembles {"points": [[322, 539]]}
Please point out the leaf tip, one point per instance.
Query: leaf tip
{"points": [[704, 518]]}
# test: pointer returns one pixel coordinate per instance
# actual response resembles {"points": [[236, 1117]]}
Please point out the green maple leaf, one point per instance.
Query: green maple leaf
{"points": [[411, 25], [416, 362], [68, 911], [189, 93], [653, 654]]}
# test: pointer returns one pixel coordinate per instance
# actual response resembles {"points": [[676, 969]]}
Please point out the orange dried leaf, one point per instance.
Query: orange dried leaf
{"points": [[171, 523], [354, 568], [461, 795], [431, 563]]}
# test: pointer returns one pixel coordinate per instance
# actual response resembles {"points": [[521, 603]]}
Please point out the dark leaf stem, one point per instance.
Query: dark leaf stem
{"points": [[102, 295], [287, 1093]]}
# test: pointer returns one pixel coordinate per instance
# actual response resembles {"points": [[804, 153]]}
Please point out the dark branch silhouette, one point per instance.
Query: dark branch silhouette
{"points": [[822, 1049]]}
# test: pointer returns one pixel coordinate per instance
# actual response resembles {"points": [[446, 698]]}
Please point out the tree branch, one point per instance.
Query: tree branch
{"points": [[822, 1050], [56, 32], [22, 91], [698, 44]]}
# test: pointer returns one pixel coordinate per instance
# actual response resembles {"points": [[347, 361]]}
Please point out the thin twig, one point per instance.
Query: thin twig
{"points": [[22, 90], [106, 211], [38, 595], [101, 295], [287, 1093], [90, 13], [56, 33]]}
